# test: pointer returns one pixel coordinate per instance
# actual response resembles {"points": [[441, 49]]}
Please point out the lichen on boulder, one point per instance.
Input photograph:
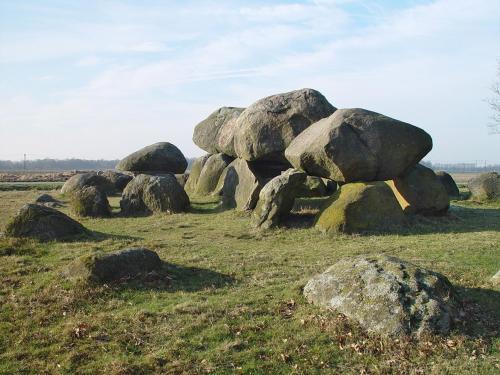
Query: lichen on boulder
{"points": [[146, 194], [386, 295], [276, 199], [361, 207], [211, 172], [43, 223], [115, 266], [194, 173], [79, 181], [90, 201]]}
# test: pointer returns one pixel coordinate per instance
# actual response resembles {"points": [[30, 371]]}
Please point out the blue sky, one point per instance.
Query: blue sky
{"points": [[100, 79]]}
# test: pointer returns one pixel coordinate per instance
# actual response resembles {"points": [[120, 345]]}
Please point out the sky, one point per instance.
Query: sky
{"points": [[101, 79]]}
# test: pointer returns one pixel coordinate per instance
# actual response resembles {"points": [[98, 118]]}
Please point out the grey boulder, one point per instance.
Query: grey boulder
{"points": [[43, 223], [118, 179], [161, 157], [386, 295], [146, 194], [276, 199], [358, 145], [207, 134], [267, 127], [312, 187], [115, 266], [91, 202], [485, 186], [79, 181], [449, 184], [211, 172]]}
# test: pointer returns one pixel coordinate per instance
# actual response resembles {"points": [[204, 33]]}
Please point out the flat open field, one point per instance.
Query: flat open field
{"points": [[233, 303]]}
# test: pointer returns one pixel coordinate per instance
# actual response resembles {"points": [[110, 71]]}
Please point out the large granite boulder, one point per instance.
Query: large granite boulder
{"points": [[115, 266], [276, 198], [43, 223], [449, 184], [358, 145], [118, 179], [267, 127], [421, 192], [194, 173], [225, 140], [146, 194], [361, 207], [211, 172], [485, 186], [161, 157], [207, 133], [386, 295], [79, 181], [90, 201], [312, 187]]}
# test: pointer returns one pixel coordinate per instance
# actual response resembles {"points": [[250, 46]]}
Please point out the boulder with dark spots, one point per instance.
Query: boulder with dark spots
{"points": [[312, 187], [361, 207], [207, 133], [421, 192], [43, 223], [147, 194], [211, 172], [358, 145], [194, 173], [118, 179], [485, 186], [79, 181], [115, 266], [276, 199], [91, 202], [267, 127], [161, 157], [386, 295], [449, 184]]}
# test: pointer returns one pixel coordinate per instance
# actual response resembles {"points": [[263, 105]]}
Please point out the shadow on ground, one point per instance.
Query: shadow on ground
{"points": [[173, 278], [459, 219], [481, 309]]}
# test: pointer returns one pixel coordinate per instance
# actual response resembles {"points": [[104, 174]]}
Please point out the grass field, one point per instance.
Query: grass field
{"points": [[233, 301]]}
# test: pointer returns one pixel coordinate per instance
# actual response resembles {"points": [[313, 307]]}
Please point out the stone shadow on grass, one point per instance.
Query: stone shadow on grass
{"points": [[172, 278], [96, 236], [480, 312]]}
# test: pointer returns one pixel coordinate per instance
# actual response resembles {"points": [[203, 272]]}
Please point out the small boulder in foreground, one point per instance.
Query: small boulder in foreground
{"points": [[386, 295], [115, 266], [91, 202], [43, 223]]}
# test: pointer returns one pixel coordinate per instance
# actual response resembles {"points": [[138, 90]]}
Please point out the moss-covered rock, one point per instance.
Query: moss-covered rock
{"points": [[386, 295], [147, 194], [194, 173], [312, 187], [49, 201], [79, 181], [276, 199], [90, 201], [115, 266], [485, 186], [361, 207], [211, 172], [421, 192], [161, 157], [449, 184], [43, 223]]}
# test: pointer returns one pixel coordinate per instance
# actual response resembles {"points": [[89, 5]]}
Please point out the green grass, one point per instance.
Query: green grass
{"points": [[233, 303], [23, 186]]}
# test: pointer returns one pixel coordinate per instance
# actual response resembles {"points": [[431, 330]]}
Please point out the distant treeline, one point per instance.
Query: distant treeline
{"points": [[60, 165], [462, 167]]}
